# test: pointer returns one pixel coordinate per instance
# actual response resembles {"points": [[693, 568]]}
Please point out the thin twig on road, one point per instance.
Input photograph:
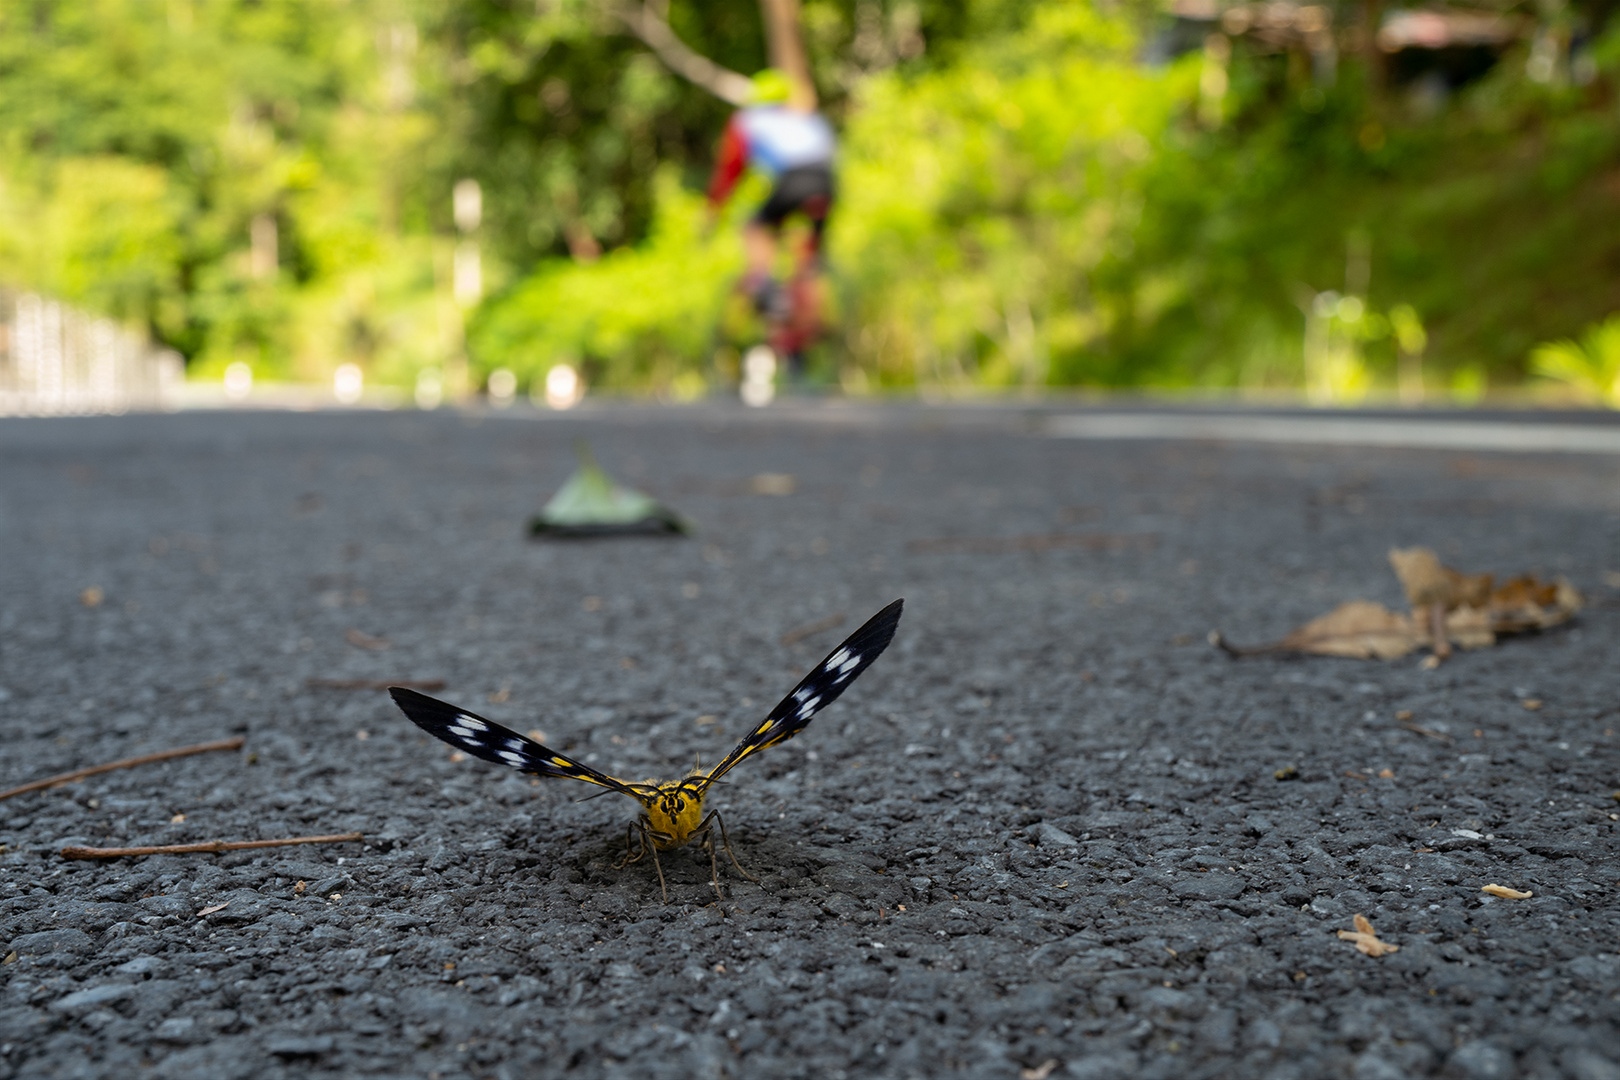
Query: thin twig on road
{"points": [[799, 633], [996, 545], [318, 683], [1418, 729], [73, 851], [145, 759]]}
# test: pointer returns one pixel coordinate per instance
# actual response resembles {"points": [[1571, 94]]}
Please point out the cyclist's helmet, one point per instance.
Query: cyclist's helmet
{"points": [[770, 87]]}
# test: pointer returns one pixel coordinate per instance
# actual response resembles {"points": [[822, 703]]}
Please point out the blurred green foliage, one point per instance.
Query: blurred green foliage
{"points": [[1589, 368], [1045, 209], [1026, 199], [983, 198]]}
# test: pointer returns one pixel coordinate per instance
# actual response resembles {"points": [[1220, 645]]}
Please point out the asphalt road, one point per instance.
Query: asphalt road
{"points": [[1042, 836]]}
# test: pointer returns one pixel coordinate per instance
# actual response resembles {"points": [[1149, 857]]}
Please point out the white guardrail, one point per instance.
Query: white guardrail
{"points": [[57, 361]]}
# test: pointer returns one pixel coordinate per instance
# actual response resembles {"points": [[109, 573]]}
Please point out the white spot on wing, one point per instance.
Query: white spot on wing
{"points": [[808, 707], [473, 722], [513, 756], [461, 731], [835, 659], [850, 664]]}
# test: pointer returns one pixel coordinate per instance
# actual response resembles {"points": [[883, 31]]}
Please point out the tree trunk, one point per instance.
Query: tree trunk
{"points": [[785, 46], [648, 24], [1372, 17]]}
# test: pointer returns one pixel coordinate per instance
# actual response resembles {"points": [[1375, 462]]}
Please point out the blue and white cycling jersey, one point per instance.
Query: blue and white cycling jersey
{"points": [[779, 138]]}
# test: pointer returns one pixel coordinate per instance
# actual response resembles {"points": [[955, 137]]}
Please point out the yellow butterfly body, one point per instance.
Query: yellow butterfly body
{"points": [[674, 811]]}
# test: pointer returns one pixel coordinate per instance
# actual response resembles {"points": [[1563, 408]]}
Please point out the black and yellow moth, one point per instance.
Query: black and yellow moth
{"points": [[671, 811]]}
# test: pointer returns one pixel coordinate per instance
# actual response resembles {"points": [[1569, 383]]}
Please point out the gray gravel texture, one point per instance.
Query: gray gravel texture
{"points": [[1042, 836]]}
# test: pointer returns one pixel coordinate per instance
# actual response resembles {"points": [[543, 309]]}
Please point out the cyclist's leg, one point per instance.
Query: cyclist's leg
{"points": [[816, 208], [760, 238], [759, 253], [793, 311], [806, 290], [759, 248]]}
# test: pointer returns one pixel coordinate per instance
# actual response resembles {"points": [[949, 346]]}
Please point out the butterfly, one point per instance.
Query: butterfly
{"points": [[671, 811]]}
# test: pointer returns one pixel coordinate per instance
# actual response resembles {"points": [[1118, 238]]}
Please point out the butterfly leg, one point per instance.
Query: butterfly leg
{"points": [[648, 845], [714, 866], [714, 816], [630, 854], [637, 843]]}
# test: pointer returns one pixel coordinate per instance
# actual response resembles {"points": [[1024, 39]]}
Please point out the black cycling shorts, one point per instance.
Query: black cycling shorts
{"points": [[807, 189]]}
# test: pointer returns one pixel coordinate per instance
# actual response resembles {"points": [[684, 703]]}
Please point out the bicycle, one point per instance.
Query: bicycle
{"points": [[791, 318]]}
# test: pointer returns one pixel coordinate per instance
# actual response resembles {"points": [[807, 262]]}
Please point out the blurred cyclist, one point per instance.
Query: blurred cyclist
{"points": [[794, 147]]}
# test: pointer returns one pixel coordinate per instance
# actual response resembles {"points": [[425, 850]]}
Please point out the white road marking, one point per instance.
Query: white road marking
{"points": [[1424, 432]]}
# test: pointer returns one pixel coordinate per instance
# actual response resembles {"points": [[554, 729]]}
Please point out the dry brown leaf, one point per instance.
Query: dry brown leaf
{"points": [[1427, 581], [1366, 938], [1506, 893], [1041, 1071], [1466, 627], [1527, 604], [1449, 609], [213, 908], [1360, 629]]}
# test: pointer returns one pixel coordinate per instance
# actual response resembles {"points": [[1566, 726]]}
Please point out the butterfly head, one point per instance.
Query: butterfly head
{"points": [[674, 811]]}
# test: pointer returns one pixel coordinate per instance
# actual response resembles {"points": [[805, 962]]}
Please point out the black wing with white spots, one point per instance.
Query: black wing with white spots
{"points": [[488, 740], [820, 688]]}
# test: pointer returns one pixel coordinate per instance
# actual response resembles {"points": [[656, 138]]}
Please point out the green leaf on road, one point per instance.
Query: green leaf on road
{"points": [[592, 503]]}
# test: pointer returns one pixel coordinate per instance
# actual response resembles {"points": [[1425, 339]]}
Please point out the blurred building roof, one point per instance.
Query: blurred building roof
{"points": [[1440, 29], [1281, 23]]}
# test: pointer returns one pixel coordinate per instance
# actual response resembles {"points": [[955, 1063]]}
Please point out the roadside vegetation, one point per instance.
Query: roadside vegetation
{"points": [[1033, 195]]}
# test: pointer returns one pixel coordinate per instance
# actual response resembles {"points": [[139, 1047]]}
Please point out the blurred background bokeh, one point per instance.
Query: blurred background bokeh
{"points": [[409, 201]]}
